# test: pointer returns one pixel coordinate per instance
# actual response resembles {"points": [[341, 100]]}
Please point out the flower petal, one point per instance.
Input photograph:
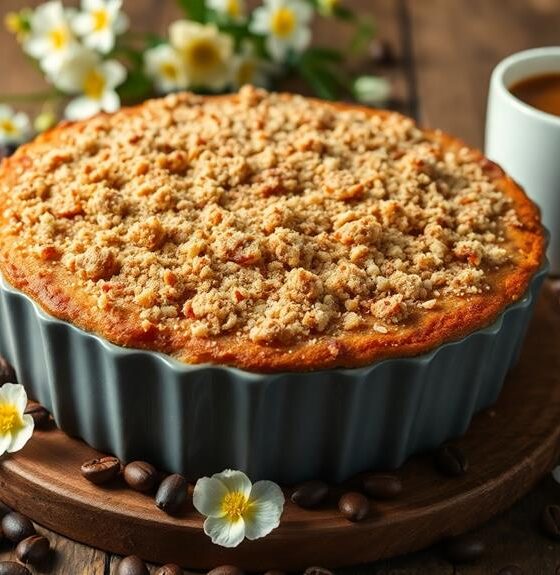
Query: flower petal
{"points": [[114, 73], [80, 108], [267, 505], [110, 101], [223, 532], [5, 441], [14, 394], [22, 435], [208, 496], [235, 481]]}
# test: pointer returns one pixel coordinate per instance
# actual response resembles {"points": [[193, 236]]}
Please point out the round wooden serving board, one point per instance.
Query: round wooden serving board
{"points": [[509, 447]]}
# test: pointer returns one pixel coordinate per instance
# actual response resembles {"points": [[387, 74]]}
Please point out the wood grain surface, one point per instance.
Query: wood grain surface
{"points": [[446, 50]]}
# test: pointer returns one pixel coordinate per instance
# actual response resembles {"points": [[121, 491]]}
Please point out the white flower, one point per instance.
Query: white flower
{"points": [[86, 74], [556, 474], [206, 53], [236, 509], [14, 127], [285, 22], [99, 22], [164, 65], [16, 428], [229, 9], [50, 39], [372, 90]]}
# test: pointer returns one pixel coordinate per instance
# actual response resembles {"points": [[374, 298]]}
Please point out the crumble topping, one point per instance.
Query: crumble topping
{"points": [[273, 217]]}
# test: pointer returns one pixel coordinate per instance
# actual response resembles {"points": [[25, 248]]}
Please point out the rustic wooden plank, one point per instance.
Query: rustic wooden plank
{"points": [[67, 557], [456, 44]]}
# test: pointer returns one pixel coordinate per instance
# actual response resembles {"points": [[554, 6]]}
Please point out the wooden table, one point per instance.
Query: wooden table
{"points": [[445, 50]]}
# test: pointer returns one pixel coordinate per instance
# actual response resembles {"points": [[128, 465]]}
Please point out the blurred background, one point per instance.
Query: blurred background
{"points": [[437, 54]]}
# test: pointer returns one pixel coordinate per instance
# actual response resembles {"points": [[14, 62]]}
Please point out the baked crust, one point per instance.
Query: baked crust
{"points": [[46, 278]]}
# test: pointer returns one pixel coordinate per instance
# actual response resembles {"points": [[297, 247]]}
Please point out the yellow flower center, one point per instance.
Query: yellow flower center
{"points": [[94, 85], [10, 419], [233, 8], [235, 505], [59, 38], [203, 54], [168, 70], [100, 19], [9, 128], [283, 22]]}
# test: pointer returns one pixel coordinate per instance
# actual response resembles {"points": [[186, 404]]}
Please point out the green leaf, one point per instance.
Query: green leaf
{"points": [[363, 35], [343, 13], [194, 9], [135, 88], [319, 77], [328, 54]]}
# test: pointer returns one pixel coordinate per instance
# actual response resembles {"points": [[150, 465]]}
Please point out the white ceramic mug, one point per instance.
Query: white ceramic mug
{"points": [[526, 141]]}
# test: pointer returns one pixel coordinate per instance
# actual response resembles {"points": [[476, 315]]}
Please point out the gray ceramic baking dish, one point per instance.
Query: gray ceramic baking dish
{"points": [[289, 427]]}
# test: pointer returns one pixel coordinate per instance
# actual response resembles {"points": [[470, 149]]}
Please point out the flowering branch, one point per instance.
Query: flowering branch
{"points": [[94, 62]]}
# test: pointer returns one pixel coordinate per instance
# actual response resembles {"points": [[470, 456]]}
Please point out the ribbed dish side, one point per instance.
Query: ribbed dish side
{"points": [[288, 427]]}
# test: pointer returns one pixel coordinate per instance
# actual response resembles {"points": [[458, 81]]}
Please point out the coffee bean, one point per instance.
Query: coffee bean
{"points": [[141, 476], [451, 461], [17, 527], [310, 494], [132, 565], [354, 506], [7, 372], [226, 570], [4, 510], [13, 568], [101, 470], [33, 549], [550, 521], [382, 487], [317, 571], [464, 548], [172, 493], [511, 570], [40, 415], [169, 569]]}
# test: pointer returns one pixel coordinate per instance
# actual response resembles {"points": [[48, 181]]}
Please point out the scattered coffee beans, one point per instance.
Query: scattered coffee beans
{"points": [[451, 461], [40, 415], [354, 506], [226, 570], [464, 548], [13, 568], [132, 565], [141, 476], [101, 470], [7, 372], [382, 487], [511, 570], [550, 521], [317, 571], [17, 527], [310, 494], [169, 569], [172, 493], [34, 549]]}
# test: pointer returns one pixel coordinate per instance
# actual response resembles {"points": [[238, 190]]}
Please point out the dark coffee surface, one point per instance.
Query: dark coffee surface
{"points": [[541, 92]]}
